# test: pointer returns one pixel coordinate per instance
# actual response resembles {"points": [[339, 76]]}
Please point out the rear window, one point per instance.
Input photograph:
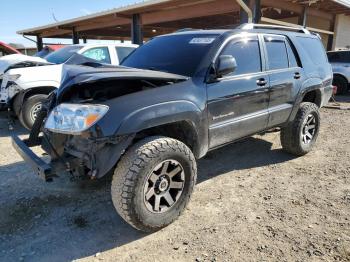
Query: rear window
{"points": [[314, 49], [277, 53], [339, 57], [123, 52]]}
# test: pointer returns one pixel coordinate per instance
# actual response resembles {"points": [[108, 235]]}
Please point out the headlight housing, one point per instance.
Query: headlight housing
{"points": [[74, 118]]}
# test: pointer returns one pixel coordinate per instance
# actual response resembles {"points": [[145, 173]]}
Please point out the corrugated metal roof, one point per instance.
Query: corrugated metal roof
{"points": [[98, 14], [119, 10]]}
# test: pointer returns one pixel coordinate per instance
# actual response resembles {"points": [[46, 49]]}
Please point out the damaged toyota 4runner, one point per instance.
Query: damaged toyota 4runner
{"points": [[174, 99]]}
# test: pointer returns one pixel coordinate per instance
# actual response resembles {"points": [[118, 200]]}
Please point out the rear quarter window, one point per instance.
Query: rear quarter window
{"points": [[314, 49]]}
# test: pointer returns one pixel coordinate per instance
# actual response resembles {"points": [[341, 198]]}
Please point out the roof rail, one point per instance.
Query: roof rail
{"points": [[185, 30], [250, 26]]}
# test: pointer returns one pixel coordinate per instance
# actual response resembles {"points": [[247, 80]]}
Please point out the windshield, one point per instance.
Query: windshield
{"points": [[62, 55], [177, 54]]}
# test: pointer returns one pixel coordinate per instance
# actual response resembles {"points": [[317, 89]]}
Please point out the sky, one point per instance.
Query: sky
{"points": [[23, 14]]}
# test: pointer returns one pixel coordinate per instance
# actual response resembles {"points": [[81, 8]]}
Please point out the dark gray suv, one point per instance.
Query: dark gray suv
{"points": [[176, 98]]}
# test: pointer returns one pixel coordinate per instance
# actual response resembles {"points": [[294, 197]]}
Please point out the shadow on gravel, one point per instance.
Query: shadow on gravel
{"points": [[63, 221], [343, 98], [4, 127], [249, 153], [58, 221]]}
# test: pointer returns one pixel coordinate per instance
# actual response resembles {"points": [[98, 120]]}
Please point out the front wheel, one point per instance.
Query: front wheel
{"points": [[30, 110], [299, 137], [153, 182]]}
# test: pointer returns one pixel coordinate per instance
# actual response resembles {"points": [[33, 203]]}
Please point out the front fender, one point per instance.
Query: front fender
{"points": [[160, 114], [157, 115], [38, 84]]}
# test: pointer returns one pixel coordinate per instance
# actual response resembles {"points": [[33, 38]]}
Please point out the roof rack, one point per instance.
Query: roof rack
{"points": [[250, 26]]}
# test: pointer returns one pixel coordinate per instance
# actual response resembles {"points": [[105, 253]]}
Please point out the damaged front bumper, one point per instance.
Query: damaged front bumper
{"points": [[8, 91], [43, 169], [78, 157]]}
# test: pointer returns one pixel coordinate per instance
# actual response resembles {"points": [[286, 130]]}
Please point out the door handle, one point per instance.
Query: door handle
{"points": [[261, 82], [297, 75]]}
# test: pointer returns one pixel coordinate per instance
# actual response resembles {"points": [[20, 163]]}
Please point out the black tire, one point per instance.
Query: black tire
{"points": [[31, 107], [293, 139], [136, 168], [16, 105], [342, 85]]}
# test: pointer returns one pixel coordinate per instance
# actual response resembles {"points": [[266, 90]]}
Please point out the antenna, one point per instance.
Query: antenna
{"points": [[54, 17]]}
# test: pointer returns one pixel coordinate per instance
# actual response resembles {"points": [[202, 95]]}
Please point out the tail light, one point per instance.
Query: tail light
{"points": [[335, 90]]}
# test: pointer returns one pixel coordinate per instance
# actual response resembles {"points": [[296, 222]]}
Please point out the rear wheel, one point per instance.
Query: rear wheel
{"points": [[153, 182], [299, 137], [341, 84], [30, 110]]}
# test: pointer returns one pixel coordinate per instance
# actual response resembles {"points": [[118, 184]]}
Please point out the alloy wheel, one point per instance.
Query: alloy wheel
{"points": [[164, 186], [309, 129]]}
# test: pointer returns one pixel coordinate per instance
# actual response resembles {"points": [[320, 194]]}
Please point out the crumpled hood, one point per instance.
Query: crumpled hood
{"points": [[78, 74], [12, 60]]}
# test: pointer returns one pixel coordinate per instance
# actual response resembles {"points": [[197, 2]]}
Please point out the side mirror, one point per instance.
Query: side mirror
{"points": [[226, 64]]}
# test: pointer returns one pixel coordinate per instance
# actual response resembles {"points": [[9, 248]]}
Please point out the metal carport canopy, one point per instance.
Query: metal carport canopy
{"points": [[164, 16]]}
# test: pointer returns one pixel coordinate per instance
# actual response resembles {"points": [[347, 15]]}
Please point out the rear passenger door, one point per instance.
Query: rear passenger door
{"points": [[238, 103], [284, 75]]}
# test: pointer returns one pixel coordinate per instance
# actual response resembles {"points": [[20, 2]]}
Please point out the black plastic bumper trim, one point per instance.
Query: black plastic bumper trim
{"points": [[39, 166]]}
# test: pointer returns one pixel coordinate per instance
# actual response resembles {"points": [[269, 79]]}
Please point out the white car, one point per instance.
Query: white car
{"points": [[13, 60], [24, 89], [340, 61]]}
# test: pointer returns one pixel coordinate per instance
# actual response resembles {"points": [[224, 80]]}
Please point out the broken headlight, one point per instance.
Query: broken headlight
{"points": [[74, 118]]}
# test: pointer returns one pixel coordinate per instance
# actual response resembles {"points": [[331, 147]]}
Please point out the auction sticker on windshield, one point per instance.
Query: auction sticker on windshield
{"points": [[202, 40]]}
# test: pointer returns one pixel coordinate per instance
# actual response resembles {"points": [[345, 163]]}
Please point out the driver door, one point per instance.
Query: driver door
{"points": [[238, 102]]}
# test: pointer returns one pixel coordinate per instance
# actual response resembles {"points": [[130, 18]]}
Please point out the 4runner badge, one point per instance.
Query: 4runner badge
{"points": [[222, 116]]}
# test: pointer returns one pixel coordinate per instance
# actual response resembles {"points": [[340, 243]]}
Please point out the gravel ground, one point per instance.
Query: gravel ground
{"points": [[252, 202]]}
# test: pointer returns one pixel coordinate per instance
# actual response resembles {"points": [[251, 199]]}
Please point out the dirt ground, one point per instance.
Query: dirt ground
{"points": [[252, 202]]}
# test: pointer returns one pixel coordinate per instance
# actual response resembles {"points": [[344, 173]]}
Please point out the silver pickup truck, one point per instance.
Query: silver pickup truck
{"points": [[340, 61]]}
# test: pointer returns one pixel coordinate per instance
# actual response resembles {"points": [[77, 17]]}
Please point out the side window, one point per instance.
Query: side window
{"points": [[339, 57], [291, 56], [247, 55], [347, 57], [314, 49], [333, 57], [123, 52], [100, 54], [276, 53]]}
